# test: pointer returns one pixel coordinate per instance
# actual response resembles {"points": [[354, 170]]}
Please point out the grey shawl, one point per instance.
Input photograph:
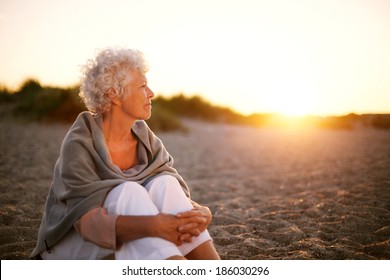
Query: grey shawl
{"points": [[84, 174]]}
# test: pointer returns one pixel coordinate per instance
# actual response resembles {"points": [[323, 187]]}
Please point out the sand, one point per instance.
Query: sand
{"points": [[274, 194]]}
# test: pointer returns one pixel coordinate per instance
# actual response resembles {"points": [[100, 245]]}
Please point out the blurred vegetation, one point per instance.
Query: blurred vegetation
{"points": [[48, 103], [35, 102]]}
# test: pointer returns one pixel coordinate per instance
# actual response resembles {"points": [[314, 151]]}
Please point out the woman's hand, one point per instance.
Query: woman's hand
{"points": [[194, 222], [174, 228], [166, 226]]}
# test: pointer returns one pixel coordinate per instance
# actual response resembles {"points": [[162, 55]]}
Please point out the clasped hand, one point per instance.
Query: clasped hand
{"points": [[183, 226]]}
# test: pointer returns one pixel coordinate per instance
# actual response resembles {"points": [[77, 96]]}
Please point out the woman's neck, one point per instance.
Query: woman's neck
{"points": [[121, 142], [117, 128]]}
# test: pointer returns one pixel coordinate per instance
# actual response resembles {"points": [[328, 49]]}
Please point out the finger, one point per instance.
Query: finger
{"points": [[186, 237], [189, 214], [179, 242], [195, 232], [187, 227], [194, 219], [198, 215]]}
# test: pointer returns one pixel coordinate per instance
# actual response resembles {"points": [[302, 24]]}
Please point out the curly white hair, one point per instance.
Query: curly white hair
{"points": [[109, 70]]}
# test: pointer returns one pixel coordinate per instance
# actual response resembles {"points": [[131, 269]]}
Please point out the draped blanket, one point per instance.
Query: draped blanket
{"points": [[84, 174]]}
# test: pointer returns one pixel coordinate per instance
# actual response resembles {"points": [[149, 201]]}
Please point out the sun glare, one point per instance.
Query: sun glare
{"points": [[292, 98], [294, 107]]}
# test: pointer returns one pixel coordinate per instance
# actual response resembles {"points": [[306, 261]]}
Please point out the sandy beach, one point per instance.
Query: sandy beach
{"points": [[274, 194]]}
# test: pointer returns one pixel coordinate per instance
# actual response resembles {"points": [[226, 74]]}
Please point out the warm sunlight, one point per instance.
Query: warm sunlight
{"points": [[293, 103], [293, 107], [289, 57], [291, 95]]}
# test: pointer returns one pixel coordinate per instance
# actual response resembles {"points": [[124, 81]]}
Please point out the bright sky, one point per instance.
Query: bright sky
{"points": [[296, 57]]}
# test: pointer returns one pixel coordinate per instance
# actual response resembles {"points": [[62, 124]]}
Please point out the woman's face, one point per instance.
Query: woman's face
{"points": [[136, 102]]}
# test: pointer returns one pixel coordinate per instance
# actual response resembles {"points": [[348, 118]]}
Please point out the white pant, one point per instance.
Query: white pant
{"points": [[163, 194]]}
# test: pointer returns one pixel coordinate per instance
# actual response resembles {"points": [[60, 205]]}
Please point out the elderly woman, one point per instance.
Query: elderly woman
{"points": [[114, 188]]}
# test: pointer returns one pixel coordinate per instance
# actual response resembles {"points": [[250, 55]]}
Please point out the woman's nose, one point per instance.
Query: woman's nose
{"points": [[150, 93]]}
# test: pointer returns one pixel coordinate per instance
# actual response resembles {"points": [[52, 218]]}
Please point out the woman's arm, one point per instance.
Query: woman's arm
{"points": [[98, 227], [166, 226], [110, 231]]}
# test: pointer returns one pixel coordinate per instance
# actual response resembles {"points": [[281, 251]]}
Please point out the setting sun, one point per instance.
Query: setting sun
{"points": [[293, 106], [291, 96]]}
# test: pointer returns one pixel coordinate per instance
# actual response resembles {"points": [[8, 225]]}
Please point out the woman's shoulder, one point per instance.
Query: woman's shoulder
{"points": [[86, 116], [82, 127], [86, 119]]}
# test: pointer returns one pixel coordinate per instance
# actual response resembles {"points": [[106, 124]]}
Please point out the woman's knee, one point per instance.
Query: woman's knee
{"points": [[163, 183], [130, 198], [168, 195], [126, 190]]}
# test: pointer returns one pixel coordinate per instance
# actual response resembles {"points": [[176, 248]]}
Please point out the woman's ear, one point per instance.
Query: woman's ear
{"points": [[113, 96]]}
